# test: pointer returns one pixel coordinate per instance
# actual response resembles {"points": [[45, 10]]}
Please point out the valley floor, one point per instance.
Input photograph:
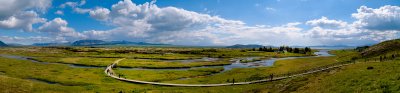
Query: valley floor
{"points": [[69, 74]]}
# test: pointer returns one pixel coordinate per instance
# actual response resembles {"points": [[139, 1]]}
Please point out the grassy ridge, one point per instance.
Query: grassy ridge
{"points": [[383, 78], [382, 48]]}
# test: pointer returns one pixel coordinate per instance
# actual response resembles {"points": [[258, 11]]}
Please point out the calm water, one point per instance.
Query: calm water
{"points": [[270, 62]]}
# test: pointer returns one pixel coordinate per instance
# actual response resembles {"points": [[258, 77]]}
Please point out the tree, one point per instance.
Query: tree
{"points": [[265, 49], [296, 50], [307, 49], [270, 49], [281, 48]]}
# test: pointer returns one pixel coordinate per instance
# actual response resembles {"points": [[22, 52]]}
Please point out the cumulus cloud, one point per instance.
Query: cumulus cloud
{"points": [[100, 13], [383, 18], [22, 20], [59, 29], [21, 14], [327, 23], [148, 22], [10, 7], [371, 25]]}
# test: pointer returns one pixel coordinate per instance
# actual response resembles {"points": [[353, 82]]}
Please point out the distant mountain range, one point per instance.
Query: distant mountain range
{"points": [[245, 46], [51, 44], [2, 44]]}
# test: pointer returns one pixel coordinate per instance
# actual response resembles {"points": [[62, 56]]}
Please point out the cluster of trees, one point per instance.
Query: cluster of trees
{"points": [[361, 48], [284, 48], [264, 49]]}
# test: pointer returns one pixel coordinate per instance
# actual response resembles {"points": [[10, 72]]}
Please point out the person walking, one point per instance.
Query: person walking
{"points": [[271, 76]]}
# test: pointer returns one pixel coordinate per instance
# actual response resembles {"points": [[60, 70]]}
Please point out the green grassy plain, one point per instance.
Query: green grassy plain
{"points": [[166, 75], [21, 76], [140, 63], [248, 74]]}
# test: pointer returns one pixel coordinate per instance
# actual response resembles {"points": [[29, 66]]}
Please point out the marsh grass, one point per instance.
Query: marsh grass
{"points": [[157, 64], [166, 75]]}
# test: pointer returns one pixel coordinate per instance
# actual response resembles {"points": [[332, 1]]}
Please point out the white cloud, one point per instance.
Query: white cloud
{"points": [[26, 40], [73, 4], [83, 2], [10, 7], [76, 6], [327, 23], [59, 29], [371, 26], [81, 10], [147, 22], [21, 14], [22, 20], [59, 12], [150, 23], [383, 18], [100, 13]]}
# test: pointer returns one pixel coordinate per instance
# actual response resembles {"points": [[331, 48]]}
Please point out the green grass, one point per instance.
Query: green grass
{"points": [[165, 75], [140, 63], [17, 85], [248, 74], [25, 76], [383, 78], [252, 60], [16, 76], [345, 55], [86, 61], [163, 53]]}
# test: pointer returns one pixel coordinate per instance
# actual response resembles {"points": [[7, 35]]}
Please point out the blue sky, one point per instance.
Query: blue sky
{"points": [[202, 22]]}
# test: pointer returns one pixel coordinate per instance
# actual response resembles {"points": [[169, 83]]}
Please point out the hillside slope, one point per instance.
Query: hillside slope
{"points": [[382, 48]]}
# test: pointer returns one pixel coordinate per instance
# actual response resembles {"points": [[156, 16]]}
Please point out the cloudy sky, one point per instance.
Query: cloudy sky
{"points": [[202, 22]]}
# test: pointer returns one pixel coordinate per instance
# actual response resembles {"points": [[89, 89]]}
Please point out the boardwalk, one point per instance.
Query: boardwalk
{"points": [[109, 71]]}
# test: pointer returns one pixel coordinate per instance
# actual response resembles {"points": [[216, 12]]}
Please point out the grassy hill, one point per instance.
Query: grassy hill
{"points": [[363, 77], [384, 48]]}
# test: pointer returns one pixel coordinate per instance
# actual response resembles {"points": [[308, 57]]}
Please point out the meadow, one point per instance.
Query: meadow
{"points": [[166, 65]]}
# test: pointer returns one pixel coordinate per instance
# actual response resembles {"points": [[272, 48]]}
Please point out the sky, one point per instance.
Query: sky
{"points": [[202, 22]]}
